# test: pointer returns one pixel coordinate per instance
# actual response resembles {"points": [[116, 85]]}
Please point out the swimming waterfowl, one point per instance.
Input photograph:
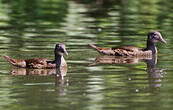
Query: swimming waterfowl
{"points": [[38, 63], [150, 49]]}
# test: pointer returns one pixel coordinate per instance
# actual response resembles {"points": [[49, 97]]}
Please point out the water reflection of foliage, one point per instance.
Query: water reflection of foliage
{"points": [[129, 19], [34, 24], [32, 19]]}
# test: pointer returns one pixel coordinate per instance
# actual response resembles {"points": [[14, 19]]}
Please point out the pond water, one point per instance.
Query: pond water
{"points": [[31, 28]]}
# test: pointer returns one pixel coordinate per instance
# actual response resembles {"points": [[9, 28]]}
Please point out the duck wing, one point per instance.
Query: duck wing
{"points": [[128, 48], [117, 51], [51, 64], [105, 51], [36, 63]]}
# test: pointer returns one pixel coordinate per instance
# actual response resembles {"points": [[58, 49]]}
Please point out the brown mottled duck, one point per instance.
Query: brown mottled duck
{"points": [[150, 49], [38, 63]]}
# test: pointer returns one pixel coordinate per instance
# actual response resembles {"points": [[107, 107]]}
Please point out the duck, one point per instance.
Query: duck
{"points": [[42, 63], [30, 71], [59, 72], [105, 59], [153, 38]]}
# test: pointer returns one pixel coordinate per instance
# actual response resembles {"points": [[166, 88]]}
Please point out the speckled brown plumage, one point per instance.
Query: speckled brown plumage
{"points": [[150, 49], [31, 63], [38, 63]]}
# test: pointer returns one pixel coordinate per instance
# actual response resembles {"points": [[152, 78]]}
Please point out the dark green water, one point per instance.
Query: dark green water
{"points": [[31, 28]]}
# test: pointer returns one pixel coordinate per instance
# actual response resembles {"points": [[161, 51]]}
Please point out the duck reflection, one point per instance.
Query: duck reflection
{"points": [[40, 72], [59, 72], [60, 82], [118, 60], [27, 71], [155, 75]]}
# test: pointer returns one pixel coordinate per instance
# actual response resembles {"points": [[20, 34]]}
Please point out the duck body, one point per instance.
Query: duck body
{"points": [[41, 63], [35, 63], [28, 63], [150, 49], [123, 51]]}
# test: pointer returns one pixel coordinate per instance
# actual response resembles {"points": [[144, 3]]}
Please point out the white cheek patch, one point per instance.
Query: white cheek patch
{"points": [[154, 40], [60, 53]]}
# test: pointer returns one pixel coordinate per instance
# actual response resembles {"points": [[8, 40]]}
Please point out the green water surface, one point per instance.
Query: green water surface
{"points": [[31, 28]]}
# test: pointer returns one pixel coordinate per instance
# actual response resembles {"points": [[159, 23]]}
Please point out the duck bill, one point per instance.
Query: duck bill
{"points": [[163, 40], [65, 52]]}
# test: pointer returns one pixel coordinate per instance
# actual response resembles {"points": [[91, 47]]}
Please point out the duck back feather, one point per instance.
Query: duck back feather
{"points": [[122, 51]]}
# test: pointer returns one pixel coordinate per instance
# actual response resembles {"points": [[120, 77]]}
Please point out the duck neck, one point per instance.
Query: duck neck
{"points": [[151, 46], [58, 60]]}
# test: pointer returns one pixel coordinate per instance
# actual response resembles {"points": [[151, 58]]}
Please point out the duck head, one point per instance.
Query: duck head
{"points": [[155, 36], [60, 49]]}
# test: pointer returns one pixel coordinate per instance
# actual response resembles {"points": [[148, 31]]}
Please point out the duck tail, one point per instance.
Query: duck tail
{"points": [[95, 47], [11, 60], [104, 51], [15, 62]]}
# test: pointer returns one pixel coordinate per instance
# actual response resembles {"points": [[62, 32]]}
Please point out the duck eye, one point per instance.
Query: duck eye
{"points": [[155, 36], [60, 49]]}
